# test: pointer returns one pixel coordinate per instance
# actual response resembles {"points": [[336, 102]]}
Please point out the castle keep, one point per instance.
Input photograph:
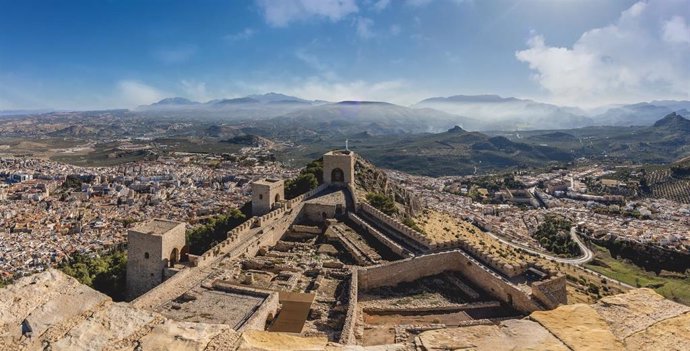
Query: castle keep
{"points": [[266, 195], [152, 247]]}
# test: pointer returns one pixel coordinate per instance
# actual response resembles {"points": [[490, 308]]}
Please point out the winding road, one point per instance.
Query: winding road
{"points": [[587, 256]]}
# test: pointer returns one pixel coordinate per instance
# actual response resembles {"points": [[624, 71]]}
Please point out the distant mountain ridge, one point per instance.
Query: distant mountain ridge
{"points": [[473, 112], [673, 122], [508, 113], [268, 98]]}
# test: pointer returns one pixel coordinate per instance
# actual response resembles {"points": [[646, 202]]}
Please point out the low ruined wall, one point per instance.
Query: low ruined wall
{"points": [[298, 228], [419, 309], [397, 226], [314, 212], [347, 336], [411, 269], [551, 292], [392, 245], [268, 308]]}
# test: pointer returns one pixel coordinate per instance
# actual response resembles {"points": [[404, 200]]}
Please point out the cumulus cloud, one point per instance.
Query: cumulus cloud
{"points": [[280, 13], [643, 55], [676, 30], [132, 93]]}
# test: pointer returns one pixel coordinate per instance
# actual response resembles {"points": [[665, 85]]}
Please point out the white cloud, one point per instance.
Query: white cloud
{"points": [[280, 13], [177, 54], [676, 30], [381, 5], [364, 27], [643, 55], [244, 34], [395, 29], [132, 93]]}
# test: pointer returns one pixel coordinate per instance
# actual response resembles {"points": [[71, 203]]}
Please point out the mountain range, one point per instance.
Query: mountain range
{"points": [[471, 112]]}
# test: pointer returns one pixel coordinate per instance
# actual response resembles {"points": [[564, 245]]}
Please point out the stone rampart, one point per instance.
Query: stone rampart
{"points": [[234, 238], [411, 269], [551, 292], [347, 335], [353, 194], [406, 231], [392, 245]]}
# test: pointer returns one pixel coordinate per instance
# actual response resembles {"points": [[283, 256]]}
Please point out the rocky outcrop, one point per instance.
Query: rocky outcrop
{"points": [[71, 316], [579, 327], [370, 179], [516, 334]]}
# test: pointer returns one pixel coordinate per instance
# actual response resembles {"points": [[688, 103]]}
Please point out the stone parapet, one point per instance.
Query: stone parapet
{"points": [[406, 231]]}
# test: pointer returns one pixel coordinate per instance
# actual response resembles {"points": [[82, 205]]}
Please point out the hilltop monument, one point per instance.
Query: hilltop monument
{"points": [[339, 167]]}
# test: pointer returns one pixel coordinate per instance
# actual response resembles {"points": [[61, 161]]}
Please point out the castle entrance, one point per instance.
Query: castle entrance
{"points": [[337, 175], [174, 254]]}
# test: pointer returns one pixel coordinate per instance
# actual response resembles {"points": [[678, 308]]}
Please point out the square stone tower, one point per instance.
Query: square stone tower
{"points": [[265, 194], [339, 167], [151, 247]]}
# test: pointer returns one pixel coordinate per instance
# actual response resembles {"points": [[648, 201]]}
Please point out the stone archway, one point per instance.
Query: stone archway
{"points": [[174, 257], [337, 175], [184, 254], [277, 198]]}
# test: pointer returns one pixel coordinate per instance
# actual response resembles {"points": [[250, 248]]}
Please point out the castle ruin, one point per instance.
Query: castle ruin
{"points": [[326, 264]]}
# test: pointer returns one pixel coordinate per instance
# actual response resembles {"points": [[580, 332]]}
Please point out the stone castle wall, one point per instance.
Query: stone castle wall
{"points": [[244, 239], [551, 292], [347, 335], [411, 269], [392, 245], [399, 227]]}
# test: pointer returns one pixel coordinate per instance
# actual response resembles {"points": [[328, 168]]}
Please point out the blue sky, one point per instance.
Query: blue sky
{"points": [[99, 54]]}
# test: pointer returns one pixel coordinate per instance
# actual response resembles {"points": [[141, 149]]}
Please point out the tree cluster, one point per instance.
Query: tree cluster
{"points": [[309, 178], [383, 203], [553, 235], [206, 236], [106, 273]]}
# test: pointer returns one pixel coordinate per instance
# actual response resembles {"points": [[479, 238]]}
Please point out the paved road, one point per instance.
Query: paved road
{"points": [[579, 261], [586, 257]]}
